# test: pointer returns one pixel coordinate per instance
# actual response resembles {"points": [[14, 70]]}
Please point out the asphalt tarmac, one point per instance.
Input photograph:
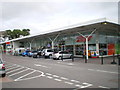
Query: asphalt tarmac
{"points": [[26, 72]]}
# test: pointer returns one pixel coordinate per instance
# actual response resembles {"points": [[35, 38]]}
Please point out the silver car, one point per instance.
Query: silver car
{"points": [[61, 54], [2, 68]]}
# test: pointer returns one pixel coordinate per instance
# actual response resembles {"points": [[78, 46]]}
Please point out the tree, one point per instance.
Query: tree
{"points": [[16, 33], [25, 32]]}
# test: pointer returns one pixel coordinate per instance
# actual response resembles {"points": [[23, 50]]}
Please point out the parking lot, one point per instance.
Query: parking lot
{"points": [[48, 73]]}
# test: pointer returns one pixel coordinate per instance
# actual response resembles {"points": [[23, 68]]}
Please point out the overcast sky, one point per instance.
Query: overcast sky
{"points": [[47, 15]]}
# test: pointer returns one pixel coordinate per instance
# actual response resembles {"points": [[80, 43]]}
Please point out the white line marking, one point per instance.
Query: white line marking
{"points": [[55, 76], [75, 81], [77, 85], [48, 74], [70, 64], [64, 78], [49, 77], [19, 72], [87, 85], [58, 80], [30, 78], [103, 87], [12, 68], [15, 70], [40, 65], [24, 75], [103, 71], [107, 71], [69, 83], [7, 66], [37, 65]]}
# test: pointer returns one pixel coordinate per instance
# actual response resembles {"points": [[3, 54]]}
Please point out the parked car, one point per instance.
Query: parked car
{"points": [[2, 68], [47, 53], [37, 54], [61, 54], [30, 54], [25, 53]]}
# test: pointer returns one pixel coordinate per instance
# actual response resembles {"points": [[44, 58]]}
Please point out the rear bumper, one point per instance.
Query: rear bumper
{"points": [[2, 72]]}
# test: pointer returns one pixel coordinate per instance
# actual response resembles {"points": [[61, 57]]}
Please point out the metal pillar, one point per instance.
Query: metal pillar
{"points": [[87, 42], [87, 48], [53, 41]]}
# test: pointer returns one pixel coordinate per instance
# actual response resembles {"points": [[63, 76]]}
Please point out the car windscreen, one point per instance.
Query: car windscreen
{"points": [[63, 52], [49, 50], [34, 51]]}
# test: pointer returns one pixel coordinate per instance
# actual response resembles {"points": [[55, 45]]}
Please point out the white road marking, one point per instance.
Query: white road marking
{"points": [[102, 71], [55, 76], [9, 66], [12, 68], [30, 78], [87, 85], [24, 75], [64, 78], [107, 71], [70, 64], [48, 74], [77, 85], [49, 77], [19, 72], [103, 87], [57, 79], [41, 65], [69, 83], [75, 81], [15, 70]]}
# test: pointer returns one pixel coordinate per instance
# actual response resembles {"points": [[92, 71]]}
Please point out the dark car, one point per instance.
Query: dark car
{"points": [[37, 54], [31, 53]]}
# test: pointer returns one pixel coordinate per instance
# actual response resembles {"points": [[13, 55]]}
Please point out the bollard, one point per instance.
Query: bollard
{"points": [[113, 62], [85, 59], [102, 59], [72, 58], [118, 59], [62, 57]]}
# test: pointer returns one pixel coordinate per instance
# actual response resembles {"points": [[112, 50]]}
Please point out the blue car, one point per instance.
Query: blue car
{"points": [[26, 53]]}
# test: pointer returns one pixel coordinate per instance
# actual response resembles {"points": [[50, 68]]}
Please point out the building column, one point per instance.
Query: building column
{"points": [[97, 42]]}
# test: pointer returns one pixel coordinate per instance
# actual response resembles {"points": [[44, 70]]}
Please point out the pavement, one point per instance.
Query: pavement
{"points": [[48, 73]]}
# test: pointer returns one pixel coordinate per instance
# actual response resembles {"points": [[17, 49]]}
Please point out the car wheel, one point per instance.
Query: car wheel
{"points": [[60, 58], [3, 75]]}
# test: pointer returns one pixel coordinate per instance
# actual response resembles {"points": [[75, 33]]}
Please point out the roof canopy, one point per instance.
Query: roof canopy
{"points": [[101, 26]]}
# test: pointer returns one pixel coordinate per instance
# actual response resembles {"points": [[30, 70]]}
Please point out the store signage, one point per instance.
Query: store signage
{"points": [[8, 43], [82, 39]]}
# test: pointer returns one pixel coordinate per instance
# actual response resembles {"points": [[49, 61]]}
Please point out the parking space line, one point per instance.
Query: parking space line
{"points": [[69, 83], [7, 66], [103, 87], [12, 68], [75, 81], [49, 77], [15, 70], [19, 72], [55, 76], [64, 78], [24, 75], [48, 74], [57, 79]]}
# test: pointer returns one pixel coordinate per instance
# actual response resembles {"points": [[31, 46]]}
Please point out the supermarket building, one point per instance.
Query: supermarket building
{"points": [[95, 36]]}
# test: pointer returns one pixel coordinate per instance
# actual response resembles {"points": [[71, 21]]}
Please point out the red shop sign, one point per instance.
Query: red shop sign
{"points": [[82, 39]]}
